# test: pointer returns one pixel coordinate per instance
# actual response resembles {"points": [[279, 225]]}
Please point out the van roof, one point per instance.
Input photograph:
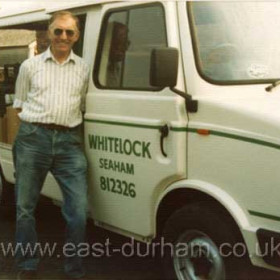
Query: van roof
{"points": [[40, 12], [73, 5]]}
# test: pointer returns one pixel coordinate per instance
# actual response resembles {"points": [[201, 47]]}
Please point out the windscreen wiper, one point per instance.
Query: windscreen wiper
{"points": [[272, 86]]}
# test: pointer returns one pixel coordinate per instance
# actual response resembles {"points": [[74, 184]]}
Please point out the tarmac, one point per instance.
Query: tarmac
{"points": [[114, 265], [51, 229]]}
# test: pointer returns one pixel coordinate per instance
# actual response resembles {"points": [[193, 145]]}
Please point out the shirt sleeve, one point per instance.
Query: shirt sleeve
{"points": [[84, 90], [22, 86]]}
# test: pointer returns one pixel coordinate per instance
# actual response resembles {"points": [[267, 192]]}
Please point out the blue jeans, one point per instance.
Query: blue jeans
{"points": [[36, 151]]}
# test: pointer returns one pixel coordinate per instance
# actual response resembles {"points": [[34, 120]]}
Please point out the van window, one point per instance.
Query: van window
{"points": [[236, 42], [127, 39], [16, 45]]}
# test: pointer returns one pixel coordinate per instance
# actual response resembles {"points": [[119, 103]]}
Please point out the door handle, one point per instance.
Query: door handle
{"points": [[164, 131]]}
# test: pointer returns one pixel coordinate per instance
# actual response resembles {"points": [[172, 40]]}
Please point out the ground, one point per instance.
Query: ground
{"points": [[113, 263]]}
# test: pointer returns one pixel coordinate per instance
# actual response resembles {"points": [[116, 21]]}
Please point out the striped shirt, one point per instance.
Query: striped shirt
{"points": [[49, 92]]}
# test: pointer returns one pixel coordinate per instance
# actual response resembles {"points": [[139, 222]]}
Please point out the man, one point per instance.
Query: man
{"points": [[50, 92]]}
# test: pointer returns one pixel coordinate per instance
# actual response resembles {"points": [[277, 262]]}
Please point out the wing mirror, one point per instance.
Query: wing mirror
{"points": [[164, 67], [164, 72]]}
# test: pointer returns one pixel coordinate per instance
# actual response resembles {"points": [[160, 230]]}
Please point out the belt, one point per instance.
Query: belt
{"points": [[53, 126]]}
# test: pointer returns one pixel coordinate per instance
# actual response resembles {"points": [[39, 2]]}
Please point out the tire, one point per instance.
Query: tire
{"points": [[197, 233]]}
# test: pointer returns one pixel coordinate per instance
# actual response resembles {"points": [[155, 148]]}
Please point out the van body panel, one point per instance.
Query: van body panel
{"points": [[136, 129], [242, 145]]}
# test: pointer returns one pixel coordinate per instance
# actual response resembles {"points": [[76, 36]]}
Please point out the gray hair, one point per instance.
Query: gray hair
{"points": [[63, 14]]}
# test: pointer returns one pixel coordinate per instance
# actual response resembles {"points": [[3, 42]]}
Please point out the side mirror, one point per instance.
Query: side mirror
{"points": [[164, 67]]}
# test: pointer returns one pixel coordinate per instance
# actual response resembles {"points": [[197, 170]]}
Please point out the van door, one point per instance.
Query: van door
{"points": [[135, 134]]}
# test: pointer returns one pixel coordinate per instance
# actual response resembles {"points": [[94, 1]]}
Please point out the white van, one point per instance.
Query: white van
{"points": [[182, 127]]}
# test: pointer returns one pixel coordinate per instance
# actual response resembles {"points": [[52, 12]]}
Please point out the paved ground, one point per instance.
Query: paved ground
{"points": [[114, 267], [51, 229]]}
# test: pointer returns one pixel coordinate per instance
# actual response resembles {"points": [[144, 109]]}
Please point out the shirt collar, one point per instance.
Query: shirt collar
{"points": [[48, 55]]}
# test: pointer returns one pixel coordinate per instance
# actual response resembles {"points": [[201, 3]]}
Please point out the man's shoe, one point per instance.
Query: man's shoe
{"points": [[27, 274]]}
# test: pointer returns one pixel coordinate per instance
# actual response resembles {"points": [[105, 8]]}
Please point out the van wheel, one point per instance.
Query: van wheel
{"points": [[198, 233]]}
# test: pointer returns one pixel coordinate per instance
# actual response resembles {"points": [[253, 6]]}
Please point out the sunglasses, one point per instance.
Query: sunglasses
{"points": [[69, 32]]}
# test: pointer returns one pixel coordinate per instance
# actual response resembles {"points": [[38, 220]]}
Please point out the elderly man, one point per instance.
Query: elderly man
{"points": [[50, 92]]}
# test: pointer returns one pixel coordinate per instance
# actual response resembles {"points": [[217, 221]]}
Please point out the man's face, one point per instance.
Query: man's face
{"points": [[63, 33]]}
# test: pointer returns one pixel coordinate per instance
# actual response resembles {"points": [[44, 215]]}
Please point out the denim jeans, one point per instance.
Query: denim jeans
{"points": [[36, 151]]}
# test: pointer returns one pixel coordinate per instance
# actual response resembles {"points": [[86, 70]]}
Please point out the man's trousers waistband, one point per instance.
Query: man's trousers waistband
{"points": [[53, 126]]}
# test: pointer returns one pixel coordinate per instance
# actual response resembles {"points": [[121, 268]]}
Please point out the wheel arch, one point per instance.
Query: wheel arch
{"points": [[186, 192]]}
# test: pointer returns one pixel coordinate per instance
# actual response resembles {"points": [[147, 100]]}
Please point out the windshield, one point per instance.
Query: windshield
{"points": [[237, 41]]}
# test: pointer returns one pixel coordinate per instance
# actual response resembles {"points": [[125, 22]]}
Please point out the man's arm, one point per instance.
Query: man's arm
{"points": [[22, 87]]}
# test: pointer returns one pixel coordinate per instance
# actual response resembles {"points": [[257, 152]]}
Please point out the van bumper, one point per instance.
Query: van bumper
{"points": [[269, 242]]}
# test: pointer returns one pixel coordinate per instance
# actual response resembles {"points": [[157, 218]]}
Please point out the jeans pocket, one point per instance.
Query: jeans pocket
{"points": [[26, 129]]}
